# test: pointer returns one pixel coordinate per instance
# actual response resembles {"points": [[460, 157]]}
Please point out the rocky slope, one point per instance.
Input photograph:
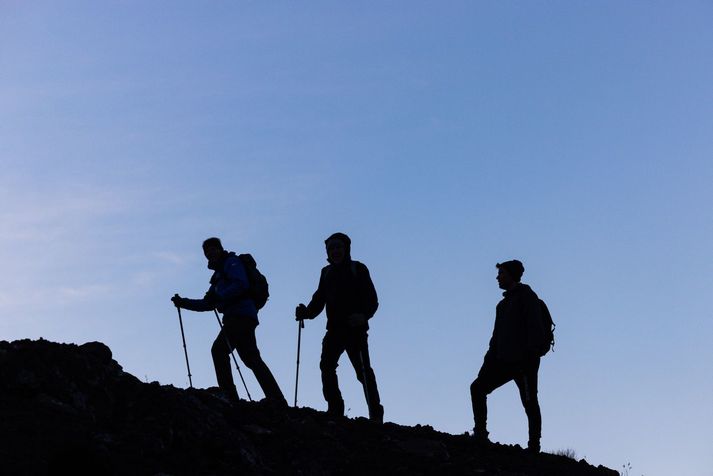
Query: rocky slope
{"points": [[68, 409]]}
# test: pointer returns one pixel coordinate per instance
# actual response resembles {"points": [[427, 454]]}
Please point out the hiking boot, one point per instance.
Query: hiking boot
{"points": [[533, 446], [231, 395], [275, 407], [376, 414], [481, 440], [280, 403], [335, 409], [275, 404]]}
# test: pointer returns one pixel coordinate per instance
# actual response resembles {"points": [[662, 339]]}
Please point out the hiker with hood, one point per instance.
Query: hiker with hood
{"points": [[348, 293], [229, 293], [514, 353]]}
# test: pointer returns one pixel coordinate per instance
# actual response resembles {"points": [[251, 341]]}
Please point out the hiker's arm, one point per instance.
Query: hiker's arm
{"points": [[316, 305], [492, 345], [371, 300], [492, 348], [533, 321], [198, 305]]}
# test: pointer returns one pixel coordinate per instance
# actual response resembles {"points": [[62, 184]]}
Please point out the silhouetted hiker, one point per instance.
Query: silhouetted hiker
{"points": [[229, 294], [514, 353], [346, 289]]}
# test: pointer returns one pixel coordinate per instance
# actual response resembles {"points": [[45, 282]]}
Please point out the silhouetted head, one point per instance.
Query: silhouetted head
{"points": [[213, 251], [509, 273], [338, 248]]}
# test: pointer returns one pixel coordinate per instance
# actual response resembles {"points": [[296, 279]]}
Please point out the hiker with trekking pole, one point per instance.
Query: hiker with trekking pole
{"points": [[346, 289], [237, 290]]}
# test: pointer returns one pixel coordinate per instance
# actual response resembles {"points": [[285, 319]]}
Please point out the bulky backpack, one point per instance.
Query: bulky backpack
{"points": [[258, 290], [549, 327]]}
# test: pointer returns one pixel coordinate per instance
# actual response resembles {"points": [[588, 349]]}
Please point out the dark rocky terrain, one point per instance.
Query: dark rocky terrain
{"points": [[68, 409]]}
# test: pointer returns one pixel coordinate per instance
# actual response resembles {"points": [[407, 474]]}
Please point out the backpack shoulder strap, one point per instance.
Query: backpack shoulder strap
{"points": [[248, 260]]}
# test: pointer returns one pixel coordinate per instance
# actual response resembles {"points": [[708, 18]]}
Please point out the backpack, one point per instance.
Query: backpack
{"points": [[549, 326], [258, 290]]}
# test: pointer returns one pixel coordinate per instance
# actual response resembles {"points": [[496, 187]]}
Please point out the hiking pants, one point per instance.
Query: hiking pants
{"points": [[354, 341], [495, 373], [239, 333]]}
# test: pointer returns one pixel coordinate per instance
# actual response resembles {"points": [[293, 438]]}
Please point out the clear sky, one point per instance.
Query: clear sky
{"points": [[443, 137]]}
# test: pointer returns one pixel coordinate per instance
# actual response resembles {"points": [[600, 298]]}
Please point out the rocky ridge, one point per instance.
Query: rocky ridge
{"points": [[71, 409]]}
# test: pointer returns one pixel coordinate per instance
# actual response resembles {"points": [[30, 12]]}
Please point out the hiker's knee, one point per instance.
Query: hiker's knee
{"points": [[252, 360], [218, 349], [477, 389], [327, 365]]}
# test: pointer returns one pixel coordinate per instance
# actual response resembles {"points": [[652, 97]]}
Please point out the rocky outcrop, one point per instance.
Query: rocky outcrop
{"points": [[70, 409]]}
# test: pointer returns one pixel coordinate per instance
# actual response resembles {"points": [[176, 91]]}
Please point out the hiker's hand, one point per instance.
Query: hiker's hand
{"points": [[357, 320], [301, 313], [177, 300]]}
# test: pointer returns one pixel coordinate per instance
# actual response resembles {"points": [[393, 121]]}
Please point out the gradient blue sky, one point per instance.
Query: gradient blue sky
{"points": [[442, 136]]}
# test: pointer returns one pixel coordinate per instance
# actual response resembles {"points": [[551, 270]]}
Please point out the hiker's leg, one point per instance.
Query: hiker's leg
{"points": [[220, 351], [333, 345], [242, 331], [358, 352], [527, 385], [492, 374]]}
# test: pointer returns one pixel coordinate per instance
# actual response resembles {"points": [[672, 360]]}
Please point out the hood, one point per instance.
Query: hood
{"points": [[518, 289]]}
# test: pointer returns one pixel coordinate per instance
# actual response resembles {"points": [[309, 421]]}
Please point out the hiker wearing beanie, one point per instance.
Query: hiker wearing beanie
{"points": [[229, 294], [514, 353], [348, 293]]}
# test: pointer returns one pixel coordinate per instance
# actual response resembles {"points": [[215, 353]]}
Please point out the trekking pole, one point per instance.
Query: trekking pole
{"points": [[363, 374], [300, 326], [227, 342], [185, 349]]}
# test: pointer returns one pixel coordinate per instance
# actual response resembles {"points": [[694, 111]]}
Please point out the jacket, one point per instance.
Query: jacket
{"points": [[344, 289], [518, 333], [228, 290]]}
